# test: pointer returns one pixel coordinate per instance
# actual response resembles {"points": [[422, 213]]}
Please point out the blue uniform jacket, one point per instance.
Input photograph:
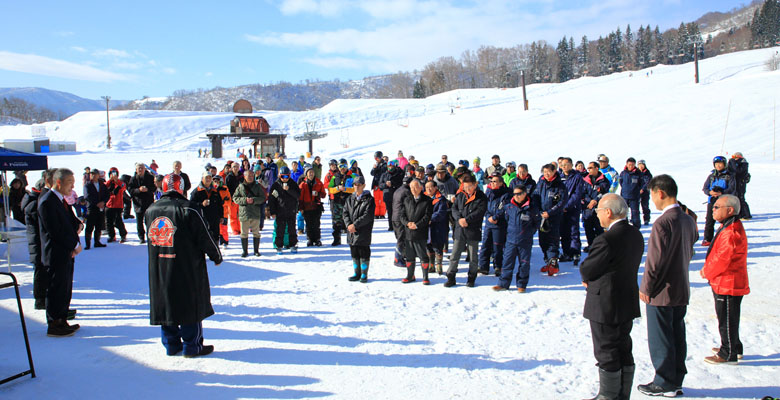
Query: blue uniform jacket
{"points": [[630, 183], [440, 223], [595, 188], [551, 196], [574, 189], [523, 221], [496, 200], [528, 182]]}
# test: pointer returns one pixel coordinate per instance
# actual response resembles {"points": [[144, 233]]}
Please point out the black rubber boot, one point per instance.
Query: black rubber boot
{"points": [[426, 281], [336, 238], [364, 271], [356, 267], [409, 273], [244, 247], [626, 382], [256, 243], [450, 280], [471, 280], [609, 385]]}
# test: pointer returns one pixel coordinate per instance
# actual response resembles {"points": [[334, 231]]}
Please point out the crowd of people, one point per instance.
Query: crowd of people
{"points": [[491, 214]]}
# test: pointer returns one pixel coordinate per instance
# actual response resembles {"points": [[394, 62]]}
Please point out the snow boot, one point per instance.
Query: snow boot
{"points": [[439, 262], [552, 267], [364, 271], [425, 271], [450, 280], [256, 243], [336, 239], [294, 249], [471, 281], [576, 260], [431, 266], [356, 267], [244, 247], [309, 243], [409, 273], [498, 272], [626, 381], [609, 385]]}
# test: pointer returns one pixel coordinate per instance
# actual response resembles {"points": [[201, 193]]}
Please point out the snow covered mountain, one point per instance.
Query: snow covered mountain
{"points": [[62, 103]]}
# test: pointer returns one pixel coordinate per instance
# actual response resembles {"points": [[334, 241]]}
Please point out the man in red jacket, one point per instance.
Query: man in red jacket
{"points": [[726, 270]]}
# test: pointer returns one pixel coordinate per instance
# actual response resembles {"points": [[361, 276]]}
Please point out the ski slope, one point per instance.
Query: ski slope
{"points": [[293, 327]]}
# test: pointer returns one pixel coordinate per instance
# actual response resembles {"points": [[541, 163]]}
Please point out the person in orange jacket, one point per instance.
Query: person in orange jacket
{"points": [[227, 204], [726, 270], [312, 193]]}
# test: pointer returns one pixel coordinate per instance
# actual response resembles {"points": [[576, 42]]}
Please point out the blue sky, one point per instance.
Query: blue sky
{"points": [[132, 49]]}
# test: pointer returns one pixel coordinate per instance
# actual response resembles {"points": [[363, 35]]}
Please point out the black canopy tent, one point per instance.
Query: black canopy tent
{"points": [[12, 160]]}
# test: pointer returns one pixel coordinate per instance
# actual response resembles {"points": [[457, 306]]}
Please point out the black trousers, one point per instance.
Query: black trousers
{"points": [[592, 227], [388, 198], [40, 281], [360, 252], [416, 248], [312, 220], [728, 309], [667, 344], [400, 241], [633, 205], [114, 219], [644, 201], [95, 220], [709, 223], [60, 290], [612, 345], [744, 208], [128, 204], [288, 223], [139, 222]]}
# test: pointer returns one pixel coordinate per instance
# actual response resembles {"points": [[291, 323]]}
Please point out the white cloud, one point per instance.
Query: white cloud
{"points": [[407, 34], [208, 74], [169, 71], [78, 49], [111, 53], [40, 65]]}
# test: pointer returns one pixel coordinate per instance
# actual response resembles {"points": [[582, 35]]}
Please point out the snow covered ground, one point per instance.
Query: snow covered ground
{"points": [[293, 327]]}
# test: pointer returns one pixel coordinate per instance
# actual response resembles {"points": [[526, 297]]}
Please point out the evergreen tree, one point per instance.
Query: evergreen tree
{"points": [[564, 61], [765, 29], [584, 55], [419, 90]]}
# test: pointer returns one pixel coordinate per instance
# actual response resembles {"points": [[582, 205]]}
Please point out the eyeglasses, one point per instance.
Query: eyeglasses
{"points": [[599, 209], [495, 181], [591, 167], [719, 207], [519, 194]]}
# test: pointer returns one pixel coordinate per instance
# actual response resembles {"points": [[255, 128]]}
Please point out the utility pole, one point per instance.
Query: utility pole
{"points": [[696, 60], [108, 128], [522, 79]]}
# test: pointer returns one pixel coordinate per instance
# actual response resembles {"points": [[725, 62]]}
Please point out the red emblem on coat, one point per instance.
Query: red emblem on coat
{"points": [[161, 232]]}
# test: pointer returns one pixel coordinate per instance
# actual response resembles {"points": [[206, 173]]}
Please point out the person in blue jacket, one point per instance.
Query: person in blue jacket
{"points": [[494, 234], [719, 182], [596, 186], [523, 178], [523, 220], [570, 221], [644, 193], [610, 173], [551, 197], [439, 227], [630, 187]]}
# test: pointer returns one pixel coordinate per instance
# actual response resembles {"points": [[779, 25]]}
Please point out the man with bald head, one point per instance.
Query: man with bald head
{"points": [[612, 299]]}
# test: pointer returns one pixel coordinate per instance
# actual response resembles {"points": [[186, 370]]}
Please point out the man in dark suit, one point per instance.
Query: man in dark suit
{"points": [[59, 230], [612, 300], [666, 289], [97, 195]]}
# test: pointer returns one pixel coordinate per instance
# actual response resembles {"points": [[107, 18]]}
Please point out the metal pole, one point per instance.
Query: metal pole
{"points": [[525, 100], [696, 60], [311, 147], [774, 131], [723, 144], [108, 127]]}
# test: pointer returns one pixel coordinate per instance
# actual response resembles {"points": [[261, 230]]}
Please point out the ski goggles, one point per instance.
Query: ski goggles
{"points": [[284, 176]]}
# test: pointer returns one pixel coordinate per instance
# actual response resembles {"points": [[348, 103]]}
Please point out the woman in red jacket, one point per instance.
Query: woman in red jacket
{"points": [[726, 270], [116, 190]]}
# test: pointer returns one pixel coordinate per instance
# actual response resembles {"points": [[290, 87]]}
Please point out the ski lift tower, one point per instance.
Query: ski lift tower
{"points": [[310, 134]]}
